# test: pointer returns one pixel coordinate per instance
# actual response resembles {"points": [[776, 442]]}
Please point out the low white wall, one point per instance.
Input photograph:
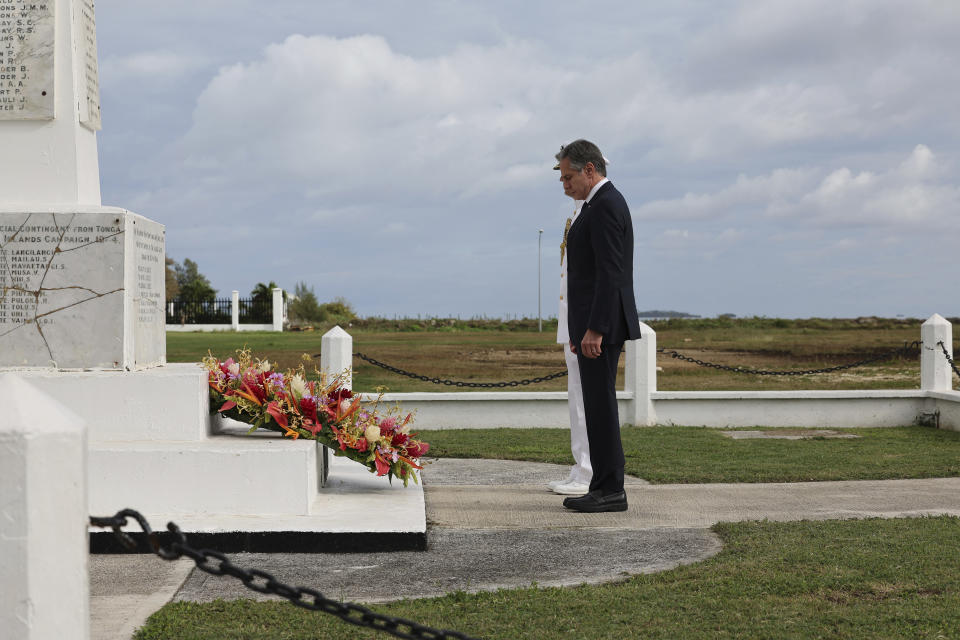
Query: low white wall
{"points": [[789, 409], [948, 403], [518, 409]]}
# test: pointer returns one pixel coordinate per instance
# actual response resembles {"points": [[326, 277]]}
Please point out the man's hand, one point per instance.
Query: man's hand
{"points": [[590, 345], [573, 347]]}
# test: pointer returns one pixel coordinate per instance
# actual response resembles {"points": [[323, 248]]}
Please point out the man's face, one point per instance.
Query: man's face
{"points": [[576, 184]]}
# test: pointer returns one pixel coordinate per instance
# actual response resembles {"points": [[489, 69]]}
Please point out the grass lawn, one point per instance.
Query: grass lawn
{"points": [[835, 579], [697, 454]]}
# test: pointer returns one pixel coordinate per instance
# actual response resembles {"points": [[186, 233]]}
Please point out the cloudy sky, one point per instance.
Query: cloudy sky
{"points": [[788, 158]]}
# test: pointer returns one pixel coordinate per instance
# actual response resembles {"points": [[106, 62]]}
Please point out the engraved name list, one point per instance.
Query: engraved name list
{"points": [[26, 60]]}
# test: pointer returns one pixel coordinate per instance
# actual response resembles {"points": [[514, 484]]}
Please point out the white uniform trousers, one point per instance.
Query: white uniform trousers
{"points": [[582, 471]]}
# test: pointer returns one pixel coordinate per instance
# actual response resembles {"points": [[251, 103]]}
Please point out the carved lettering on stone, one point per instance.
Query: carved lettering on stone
{"points": [[78, 290], [26, 60], [89, 77], [150, 320]]}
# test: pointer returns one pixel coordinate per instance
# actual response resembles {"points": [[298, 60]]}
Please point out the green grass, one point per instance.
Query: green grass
{"points": [[696, 454], [835, 579], [517, 351]]}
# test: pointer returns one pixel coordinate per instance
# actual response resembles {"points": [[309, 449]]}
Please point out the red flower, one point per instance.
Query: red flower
{"points": [[361, 444], [276, 412], [254, 387], [417, 448], [308, 407], [340, 394], [383, 467], [311, 426], [399, 439]]}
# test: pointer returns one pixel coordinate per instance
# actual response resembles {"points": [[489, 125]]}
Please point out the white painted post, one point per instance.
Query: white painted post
{"points": [[44, 589], [935, 371], [277, 309], [640, 376], [336, 355], [235, 310]]}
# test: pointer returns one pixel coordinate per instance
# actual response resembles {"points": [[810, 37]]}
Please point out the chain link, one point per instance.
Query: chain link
{"points": [[907, 347], [216, 563], [949, 359], [459, 383]]}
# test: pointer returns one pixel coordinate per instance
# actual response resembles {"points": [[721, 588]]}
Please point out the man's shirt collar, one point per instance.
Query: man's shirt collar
{"points": [[595, 188]]}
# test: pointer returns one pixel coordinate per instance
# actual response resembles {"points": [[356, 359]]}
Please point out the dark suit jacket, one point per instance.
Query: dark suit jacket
{"points": [[600, 270]]}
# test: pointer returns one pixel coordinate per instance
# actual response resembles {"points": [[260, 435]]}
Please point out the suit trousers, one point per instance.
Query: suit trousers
{"points": [[598, 378], [582, 470]]}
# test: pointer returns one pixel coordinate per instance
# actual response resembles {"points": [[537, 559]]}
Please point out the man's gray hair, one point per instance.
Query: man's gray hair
{"points": [[579, 153]]}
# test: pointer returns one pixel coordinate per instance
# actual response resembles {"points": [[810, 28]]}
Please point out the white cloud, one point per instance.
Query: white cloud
{"points": [[347, 114], [774, 133], [915, 191], [746, 193]]}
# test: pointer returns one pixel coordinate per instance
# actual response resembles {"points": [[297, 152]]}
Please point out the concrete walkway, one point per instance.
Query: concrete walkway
{"points": [[493, 524]]}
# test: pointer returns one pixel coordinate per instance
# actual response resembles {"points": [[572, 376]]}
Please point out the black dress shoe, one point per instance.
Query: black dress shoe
{"points": [[595, 503]]}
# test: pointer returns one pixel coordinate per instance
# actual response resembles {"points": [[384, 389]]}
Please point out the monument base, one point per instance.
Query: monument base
{"points": [[81, 288], [154, 447]]}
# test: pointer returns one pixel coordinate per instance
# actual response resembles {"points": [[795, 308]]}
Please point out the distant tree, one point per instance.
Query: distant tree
{"points": [[304, 307], [193, 284], [339, 311], [265, 291], [172, 286]]}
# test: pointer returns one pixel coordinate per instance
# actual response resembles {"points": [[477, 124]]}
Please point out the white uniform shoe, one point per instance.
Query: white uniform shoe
{"points": [[571, 488], [556, 483]]}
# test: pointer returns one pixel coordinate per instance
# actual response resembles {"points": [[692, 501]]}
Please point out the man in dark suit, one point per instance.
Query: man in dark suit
{"points": [[601, 313]]}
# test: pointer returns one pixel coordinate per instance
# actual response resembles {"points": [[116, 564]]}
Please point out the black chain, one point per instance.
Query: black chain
{"points": [[459, 383], [906, 348], [949, 359], [218, 564], [910, 347]]}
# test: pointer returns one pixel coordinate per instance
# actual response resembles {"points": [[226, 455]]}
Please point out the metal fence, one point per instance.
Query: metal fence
{"points": [[256, 311], [219, 311]]}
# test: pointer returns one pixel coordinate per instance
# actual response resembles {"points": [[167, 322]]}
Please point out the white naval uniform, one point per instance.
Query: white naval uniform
{"points": [[581, 472]]}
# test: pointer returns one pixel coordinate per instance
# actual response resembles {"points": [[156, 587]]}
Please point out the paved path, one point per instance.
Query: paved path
{"points": [[493, 524]]}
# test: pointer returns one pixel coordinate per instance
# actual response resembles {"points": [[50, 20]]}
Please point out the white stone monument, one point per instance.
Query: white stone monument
{"points": [[82, 318], [82, 284]]}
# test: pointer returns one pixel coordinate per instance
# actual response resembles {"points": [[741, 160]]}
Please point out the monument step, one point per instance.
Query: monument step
{"points": [[162, 403], [356, 512], [221, 475]]}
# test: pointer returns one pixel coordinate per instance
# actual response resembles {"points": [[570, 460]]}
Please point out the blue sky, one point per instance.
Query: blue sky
{"points": [[788, 158]]}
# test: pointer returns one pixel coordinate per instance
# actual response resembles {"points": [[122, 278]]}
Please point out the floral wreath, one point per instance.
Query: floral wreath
{"points": [[247, 390]]}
